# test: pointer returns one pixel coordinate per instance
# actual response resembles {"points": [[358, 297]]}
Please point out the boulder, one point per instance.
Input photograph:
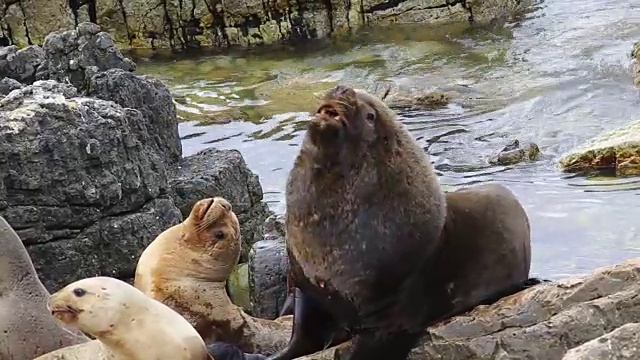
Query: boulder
{"points": [[90, 176], [514, 153], [7, 85], [20, 65], [197, 23], [616, 151], [620, 344], [542, 322], [268, 266]]}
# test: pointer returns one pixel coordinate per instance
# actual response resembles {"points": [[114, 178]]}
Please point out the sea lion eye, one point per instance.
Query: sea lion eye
{"points": [[219, 234], [79, 292], [371, 116]]}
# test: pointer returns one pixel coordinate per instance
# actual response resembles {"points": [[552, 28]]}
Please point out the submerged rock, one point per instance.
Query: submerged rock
{"points": [[543, 322], [89, 182], [171, 24], [513, 153], [616, 151]]}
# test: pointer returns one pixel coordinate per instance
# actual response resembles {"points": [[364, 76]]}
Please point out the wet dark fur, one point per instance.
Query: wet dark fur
{"points": [[361, 180]]}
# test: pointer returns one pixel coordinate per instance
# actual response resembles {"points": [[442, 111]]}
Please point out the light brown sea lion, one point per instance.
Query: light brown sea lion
{"points": [[366, 236], [127, 324], [186, 268], [26, 328]]}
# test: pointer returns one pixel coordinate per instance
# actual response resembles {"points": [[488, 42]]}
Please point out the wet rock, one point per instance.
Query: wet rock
{"points": [[20, 65], [268, 266], [635, 63], [238, 286], [7, 85], [75, 55], [620, 344], [543, 322], [410, 99], [514, 153], [154, 24], [616, 151], [213, 172]]}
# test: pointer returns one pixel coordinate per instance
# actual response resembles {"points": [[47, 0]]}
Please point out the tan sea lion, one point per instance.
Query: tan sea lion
{"points": [[366, 236], [127, 324], [26, 328], [186, 268]]}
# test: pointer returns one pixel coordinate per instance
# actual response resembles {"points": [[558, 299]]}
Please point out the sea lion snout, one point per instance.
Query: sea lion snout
{"points": [[60, 308]]}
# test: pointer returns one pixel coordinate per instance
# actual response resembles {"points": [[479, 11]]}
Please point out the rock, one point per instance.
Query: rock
{"points": [[268, 266], [174, 24], [513, 153], [413, 99], [20, 65], [616, 151], [635, 63], [621, 343], [80, 182], [238, 286], [7, 85], [75, 55], [213, 172], [542, 322]]}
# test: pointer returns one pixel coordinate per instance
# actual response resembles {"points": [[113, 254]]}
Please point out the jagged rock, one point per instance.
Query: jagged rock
{"points": [[213, 172], [75, 55], [514, 153], [620, 344], [542, 322], [7, 85], [616, 151], [268, 266], [155, 23], [20, 65]]}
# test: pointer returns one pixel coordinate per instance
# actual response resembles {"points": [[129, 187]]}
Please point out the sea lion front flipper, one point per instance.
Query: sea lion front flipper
{"points": [[371, 345], [312, 328]]}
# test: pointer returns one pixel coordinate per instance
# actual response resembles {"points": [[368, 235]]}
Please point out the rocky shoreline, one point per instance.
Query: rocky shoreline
{"points": [[91, 171]]}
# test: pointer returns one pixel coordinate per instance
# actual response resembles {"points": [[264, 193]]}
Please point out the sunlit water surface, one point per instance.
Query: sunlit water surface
{"points": [[557, 78]]}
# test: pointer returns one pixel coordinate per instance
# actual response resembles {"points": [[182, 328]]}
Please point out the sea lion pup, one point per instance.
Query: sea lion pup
{"points": [[26, 328], [186, 268], [364, 220], [127, 324]]}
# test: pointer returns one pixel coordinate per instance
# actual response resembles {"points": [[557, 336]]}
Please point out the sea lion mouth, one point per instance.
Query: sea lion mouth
{"points": [[337, 107], [66, 314]]}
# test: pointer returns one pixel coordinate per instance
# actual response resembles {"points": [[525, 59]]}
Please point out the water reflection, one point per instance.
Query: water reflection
{"points": [[556, 78]]}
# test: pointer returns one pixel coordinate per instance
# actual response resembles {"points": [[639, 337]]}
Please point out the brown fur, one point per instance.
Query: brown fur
{"points": [[186, 268], [365, 221]]}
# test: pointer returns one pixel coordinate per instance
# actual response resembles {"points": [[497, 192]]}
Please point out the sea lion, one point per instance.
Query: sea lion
{"points": [[127, 324], [26, 329], [366, 236], [186, 267]]}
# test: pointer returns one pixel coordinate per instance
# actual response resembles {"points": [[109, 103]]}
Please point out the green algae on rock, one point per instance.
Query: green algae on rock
{"points": [[616, 151], [238, 286], [204, 23]]}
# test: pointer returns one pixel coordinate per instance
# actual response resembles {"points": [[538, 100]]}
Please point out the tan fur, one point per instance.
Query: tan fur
{"points": [[26, 328], [126, 323], [186, 268]]}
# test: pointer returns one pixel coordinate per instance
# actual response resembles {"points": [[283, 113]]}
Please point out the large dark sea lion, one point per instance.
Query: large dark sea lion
{"points": [[367, 241]]}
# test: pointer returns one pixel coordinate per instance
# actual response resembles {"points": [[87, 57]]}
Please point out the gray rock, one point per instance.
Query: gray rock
{"points": [[75, 55], [151, 97], [268, 266], [20, 65], [213, 172], [620, 344], [7, 85]]}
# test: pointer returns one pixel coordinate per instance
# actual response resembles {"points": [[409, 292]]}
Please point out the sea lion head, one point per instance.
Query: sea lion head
{"points": [[350, 121], [94, 305], [212, 230]]}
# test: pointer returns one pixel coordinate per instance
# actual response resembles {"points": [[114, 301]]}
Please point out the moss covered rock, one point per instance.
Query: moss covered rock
{"points": [[615, 151]]}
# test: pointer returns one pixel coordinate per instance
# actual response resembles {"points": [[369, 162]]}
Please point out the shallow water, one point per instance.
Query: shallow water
{"points": [[557, 77]]}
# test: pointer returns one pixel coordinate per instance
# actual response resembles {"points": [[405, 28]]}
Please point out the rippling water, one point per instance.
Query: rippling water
{"points": [[557, 77]]}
